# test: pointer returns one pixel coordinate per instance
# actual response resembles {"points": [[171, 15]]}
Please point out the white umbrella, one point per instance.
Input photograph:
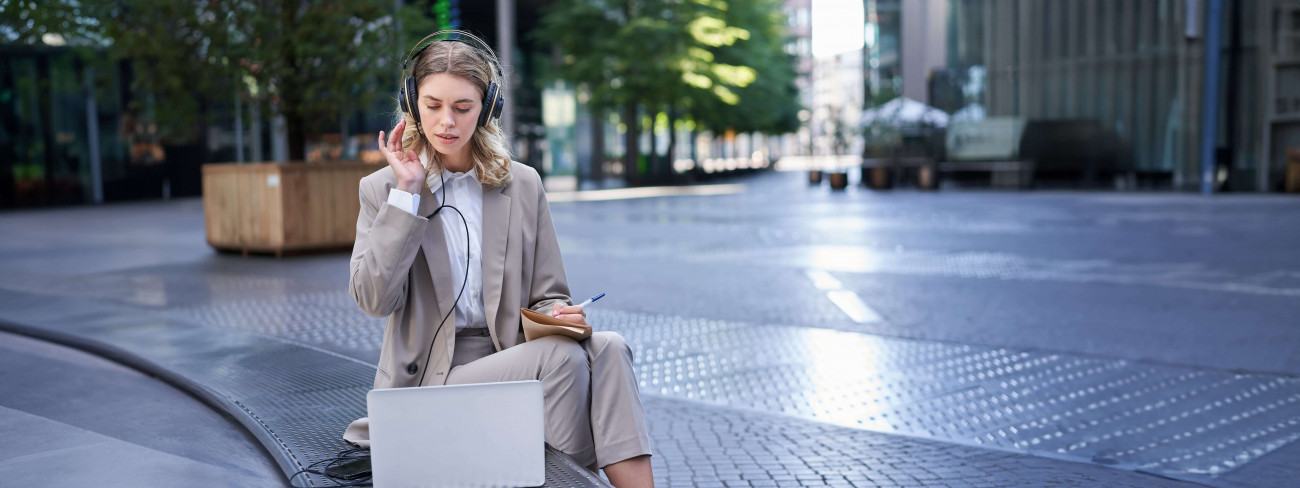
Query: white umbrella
{"points": [[905, 111], [972, 112]]}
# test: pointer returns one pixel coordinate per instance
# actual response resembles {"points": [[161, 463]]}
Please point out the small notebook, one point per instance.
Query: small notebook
{"points": [[541, 325]]}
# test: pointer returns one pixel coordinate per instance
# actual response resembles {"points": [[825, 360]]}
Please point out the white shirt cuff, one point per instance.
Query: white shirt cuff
{"points": [[408, 202]]}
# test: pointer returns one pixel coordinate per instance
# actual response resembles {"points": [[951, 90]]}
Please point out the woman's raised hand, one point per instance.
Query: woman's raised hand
{"points": [[406, 164]]}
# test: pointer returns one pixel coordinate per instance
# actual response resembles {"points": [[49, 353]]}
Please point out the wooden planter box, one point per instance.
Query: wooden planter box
{"points": [[278, 207]]}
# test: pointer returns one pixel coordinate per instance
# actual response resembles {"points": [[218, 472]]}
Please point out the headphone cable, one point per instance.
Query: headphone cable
{"points": [[351, 454], [464, 280], [323, 471]]}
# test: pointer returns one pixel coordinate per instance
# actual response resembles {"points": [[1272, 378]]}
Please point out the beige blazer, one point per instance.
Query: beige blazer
{"points": [[400, 270]]}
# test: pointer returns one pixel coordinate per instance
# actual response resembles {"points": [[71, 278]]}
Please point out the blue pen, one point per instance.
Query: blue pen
{"points": [[555, 313], [591, 300]]}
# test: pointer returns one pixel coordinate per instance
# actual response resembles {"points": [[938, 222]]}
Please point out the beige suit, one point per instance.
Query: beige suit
{"points": [[400, 270]]}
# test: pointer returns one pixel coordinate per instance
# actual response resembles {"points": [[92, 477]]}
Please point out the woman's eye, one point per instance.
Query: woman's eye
{"points": [[433, 108], [463, 110]]}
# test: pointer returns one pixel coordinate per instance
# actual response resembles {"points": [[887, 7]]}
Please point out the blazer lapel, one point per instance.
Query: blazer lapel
{"points": [[496, 232], [434, 245]]}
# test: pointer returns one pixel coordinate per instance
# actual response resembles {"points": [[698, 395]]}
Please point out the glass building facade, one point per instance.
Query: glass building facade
{"points": [[74, 131], [44, 154], [67, 135], [1133, 69], [882, 35]]}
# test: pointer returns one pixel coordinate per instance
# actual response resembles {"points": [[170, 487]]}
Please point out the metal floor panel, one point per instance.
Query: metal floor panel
{"points": [[296, 400], [1165, 419]]}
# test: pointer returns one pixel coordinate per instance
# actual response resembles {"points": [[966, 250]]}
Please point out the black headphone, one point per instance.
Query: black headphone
{"points": [[493, 99]]}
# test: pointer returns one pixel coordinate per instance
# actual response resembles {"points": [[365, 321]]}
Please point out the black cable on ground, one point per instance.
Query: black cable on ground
{"points": [[321, 468]]}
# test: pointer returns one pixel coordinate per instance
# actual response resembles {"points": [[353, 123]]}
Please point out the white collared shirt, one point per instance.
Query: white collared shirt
{"points": [[464, 193]]}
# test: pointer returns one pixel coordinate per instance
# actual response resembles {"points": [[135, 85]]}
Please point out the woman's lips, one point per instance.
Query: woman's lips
{"points": [[446, 139]]}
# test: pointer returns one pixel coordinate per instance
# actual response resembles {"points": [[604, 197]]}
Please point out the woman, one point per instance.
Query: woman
{"points": [[410, 264]]}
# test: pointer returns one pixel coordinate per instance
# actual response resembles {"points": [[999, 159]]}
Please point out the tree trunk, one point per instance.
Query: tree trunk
{"points": [[670, 172], [653, 161], [297, 134], [255, 113], [239, 127], [344, 115], [695, 149], [598, 146], [631, 173], [201, 135], [290, 89]]}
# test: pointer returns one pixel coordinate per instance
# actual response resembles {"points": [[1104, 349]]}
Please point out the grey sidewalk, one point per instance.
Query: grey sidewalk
{"points": [[73, 419], [987, 334]]}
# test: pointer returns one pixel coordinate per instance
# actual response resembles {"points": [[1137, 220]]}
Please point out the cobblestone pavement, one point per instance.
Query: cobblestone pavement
{"points": [[880, 339], [708, 446]]}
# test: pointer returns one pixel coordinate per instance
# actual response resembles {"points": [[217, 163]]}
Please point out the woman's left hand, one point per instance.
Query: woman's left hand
{"points": [[569, 313]]}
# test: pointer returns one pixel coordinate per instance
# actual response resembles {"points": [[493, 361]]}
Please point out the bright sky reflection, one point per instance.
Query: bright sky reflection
{"points": [[853, 306], [823, 280], [644, 192], [844, 224], [837, 27], [840, 258], [844, 370]]}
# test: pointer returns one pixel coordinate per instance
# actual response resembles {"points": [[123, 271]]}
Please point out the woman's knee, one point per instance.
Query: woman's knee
{"points": [[565, 353], [605, 342]]}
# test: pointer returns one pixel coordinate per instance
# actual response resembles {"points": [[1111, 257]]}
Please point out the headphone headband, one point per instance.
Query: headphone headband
{"points": [[457, 33]]}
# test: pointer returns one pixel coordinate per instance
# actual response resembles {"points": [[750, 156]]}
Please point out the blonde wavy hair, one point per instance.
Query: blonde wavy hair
{"points": [[489, 151]]}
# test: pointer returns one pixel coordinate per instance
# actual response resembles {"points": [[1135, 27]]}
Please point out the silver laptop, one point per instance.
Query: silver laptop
{"points": [[488, 434]]}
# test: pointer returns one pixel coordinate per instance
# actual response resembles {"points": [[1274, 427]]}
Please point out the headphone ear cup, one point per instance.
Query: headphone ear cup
{"points": [[493, 102], [500, 105], [489, 104], [409, 94]]}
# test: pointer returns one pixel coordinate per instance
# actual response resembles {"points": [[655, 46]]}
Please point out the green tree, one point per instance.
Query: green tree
{"points": [[317, 60], [621, 49], [656, 55], [153, 34], [28, 22], [314, 60], [179, 53], [770, 104]]}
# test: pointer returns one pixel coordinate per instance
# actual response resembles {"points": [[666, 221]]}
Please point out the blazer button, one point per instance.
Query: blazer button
{"points": [[412, 368]]}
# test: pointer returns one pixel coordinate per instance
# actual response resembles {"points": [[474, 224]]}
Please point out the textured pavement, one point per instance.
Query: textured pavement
{"points": [[1001, 339], [708, 446], [73, 419]]}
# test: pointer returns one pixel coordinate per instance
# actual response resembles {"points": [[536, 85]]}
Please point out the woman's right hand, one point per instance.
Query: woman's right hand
{"points": [[406, 164]]}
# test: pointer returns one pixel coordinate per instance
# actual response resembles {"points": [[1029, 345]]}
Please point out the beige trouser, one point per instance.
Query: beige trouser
{"points": [[591, 398]]}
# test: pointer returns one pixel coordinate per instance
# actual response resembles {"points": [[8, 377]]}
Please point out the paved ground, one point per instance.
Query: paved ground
{"points": [[788, 335], [73, 419]]}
